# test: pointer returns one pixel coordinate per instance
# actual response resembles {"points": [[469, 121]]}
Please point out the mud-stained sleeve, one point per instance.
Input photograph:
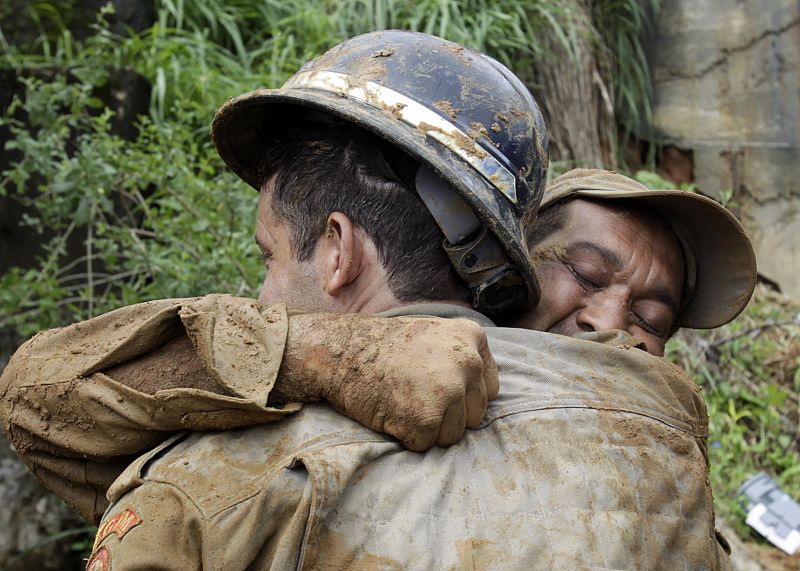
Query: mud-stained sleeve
{"points": [[76, 427], [724, 562], [154, 527]]}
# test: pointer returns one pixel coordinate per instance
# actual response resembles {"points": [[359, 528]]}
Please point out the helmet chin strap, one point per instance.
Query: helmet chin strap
{"points": [[476, 253], [451, 212]]}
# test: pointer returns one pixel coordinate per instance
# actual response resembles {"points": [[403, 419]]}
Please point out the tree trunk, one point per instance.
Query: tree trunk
{"points": [[577, 97]]}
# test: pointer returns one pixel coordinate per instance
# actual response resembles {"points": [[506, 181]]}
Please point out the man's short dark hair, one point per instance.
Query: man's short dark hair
{"points": [[324, 168]]}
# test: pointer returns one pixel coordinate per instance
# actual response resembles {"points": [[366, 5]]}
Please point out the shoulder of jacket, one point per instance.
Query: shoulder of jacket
{"points": [[219, 469]]}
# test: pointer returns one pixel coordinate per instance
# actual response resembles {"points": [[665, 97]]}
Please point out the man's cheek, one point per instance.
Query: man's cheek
{"points": [[561, 299], [263, 294], [655, 346]]}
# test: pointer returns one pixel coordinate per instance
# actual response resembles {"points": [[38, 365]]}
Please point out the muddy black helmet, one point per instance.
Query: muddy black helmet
{"points": [[469, 122]]}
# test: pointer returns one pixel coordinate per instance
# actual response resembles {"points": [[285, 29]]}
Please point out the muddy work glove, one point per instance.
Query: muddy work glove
{"points": [[422, 380]]}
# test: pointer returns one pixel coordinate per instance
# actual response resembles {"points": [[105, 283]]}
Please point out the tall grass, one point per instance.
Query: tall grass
{"points": [[207, 50]]}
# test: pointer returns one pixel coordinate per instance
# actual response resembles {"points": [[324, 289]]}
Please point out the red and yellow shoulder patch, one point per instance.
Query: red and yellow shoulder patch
{"points": [[100, 561], [119, 524]]}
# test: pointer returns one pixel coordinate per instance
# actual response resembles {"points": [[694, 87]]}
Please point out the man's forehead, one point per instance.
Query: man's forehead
{"points": [[608, 255], [606, 220]]}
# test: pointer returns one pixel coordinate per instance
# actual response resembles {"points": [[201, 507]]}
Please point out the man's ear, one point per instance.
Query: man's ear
{"points": [[343, 253]]}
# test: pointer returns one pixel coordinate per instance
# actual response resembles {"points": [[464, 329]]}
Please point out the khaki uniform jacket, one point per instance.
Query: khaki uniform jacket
{"points": [[593, 456], [77, 429]]}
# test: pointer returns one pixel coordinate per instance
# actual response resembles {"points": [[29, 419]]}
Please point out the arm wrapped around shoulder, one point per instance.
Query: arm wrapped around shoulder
{"points": [[79, 403]]}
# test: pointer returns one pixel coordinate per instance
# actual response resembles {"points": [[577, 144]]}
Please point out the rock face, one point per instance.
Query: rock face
{"points": [[727, 89], [37, 528]]}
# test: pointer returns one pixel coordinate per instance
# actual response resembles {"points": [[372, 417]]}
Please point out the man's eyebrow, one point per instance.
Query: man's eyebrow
{"points": [[258, 242], [662, 294], [609, 257]]}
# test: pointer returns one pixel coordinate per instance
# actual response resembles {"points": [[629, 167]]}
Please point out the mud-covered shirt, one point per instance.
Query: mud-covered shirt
{"points": [[593, 456], [77, 428]]}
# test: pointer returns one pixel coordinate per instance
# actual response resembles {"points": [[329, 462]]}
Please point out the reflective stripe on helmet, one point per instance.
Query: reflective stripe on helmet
{"points": [[416, 115]]}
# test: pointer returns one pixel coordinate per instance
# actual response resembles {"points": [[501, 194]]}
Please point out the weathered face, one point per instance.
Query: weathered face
{"points": [[609, 268], [288, 281]]}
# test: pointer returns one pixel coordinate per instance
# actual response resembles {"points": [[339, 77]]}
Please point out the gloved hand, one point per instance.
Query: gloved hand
{"points": [[419, 379]]}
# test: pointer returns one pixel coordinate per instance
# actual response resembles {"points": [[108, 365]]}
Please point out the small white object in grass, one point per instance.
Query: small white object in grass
{"points": [[789, 543]]}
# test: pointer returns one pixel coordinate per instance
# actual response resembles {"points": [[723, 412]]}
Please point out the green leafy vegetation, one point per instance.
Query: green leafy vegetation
{"points": [[654, 180], [750, 370], [158, 216]]}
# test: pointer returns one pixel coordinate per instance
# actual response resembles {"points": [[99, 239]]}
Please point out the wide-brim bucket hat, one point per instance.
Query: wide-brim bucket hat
{"points": [[720, 261]]}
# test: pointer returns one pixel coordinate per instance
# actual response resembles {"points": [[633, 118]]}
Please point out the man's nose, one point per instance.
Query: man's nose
{"points": [[604, 312]]}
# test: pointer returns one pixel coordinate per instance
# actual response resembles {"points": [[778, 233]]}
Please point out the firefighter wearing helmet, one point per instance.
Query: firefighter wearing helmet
{"points": [[472, 125]]}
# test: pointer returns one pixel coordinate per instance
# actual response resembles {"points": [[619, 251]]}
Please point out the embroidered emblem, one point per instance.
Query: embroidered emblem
{"points": [[100, 561], [119, 524]]}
